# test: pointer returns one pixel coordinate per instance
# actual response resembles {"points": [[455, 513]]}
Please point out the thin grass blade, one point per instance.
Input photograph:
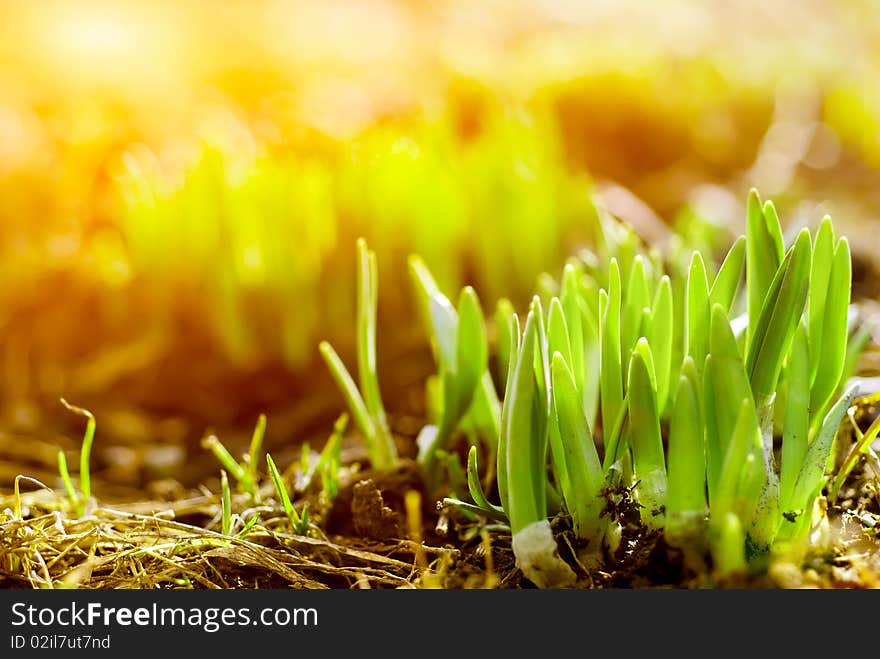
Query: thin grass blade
{"points": [[727, 280], [585, 478], [646, 442]]}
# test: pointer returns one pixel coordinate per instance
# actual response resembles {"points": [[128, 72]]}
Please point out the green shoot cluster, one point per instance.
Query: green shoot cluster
{"points": [[661, 377], [264, 228]]}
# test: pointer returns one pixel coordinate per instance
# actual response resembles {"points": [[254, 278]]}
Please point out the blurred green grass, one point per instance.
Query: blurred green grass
{"points": [[178, 224]]}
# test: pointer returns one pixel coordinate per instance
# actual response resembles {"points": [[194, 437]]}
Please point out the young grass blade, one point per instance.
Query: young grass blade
{"points": [[331, 458], [823, 257], [660, 336], [381, 451], [256, 447], [724, 380], [503, 323], [367, 300], [811, 476], [636, 299], [580, 301], [85, 480], [764, 253], [558, 342], [697, 305], [589, 296], [251, 523], [472, 352], [463, 377], [610, 372], [796, 424], [573, 311], [771, 337], [501, 457], [649, 466], [830, 349], [533, 543], [65, 478], [437, 312], [460, 346], [526, 479], [744, 438], [225, 504], [726, 283], [592, 364], [542, 358], [585, 479], [686, 496], [297, 523], [557, 332], [239, 473]]}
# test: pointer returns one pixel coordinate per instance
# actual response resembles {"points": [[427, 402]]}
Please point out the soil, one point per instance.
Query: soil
{"points": [[366, 538]]}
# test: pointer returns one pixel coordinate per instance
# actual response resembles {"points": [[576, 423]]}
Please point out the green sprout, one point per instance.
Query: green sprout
{"points": [[365, 403], [72, 494], [80, 499], [256, 446], [460, 345], [225, 504], [639, 378], [299, 523], [330, 460], [228, 519], [241, 471], [713, 482]]}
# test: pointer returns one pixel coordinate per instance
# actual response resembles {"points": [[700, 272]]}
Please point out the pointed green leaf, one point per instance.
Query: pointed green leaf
{"points": [[592, 365], [472, 350], [649, 465], [637, 298], [585, 478], [660, 336], [724, 287], [831, 348], [746, 434], [501, 456], [772, 335], [611, 371], [697, 305], [525, 450], [764, 253], [542, 358], [811, 476], [823, 258], [724, 380], [503, 321], [686, 497], [367, 301], [574, 311], [378, 448], [437, 312], [796, 424], [475, 486], [557, 331]]}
